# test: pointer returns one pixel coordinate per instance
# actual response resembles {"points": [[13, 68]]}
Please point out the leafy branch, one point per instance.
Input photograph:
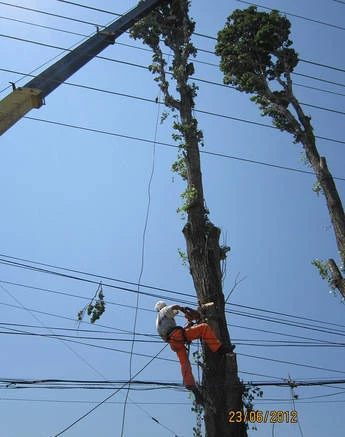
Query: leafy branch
{"points": [[95, 308]]}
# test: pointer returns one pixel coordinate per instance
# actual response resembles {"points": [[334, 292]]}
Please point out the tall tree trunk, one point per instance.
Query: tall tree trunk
{"points": [[328, 188], [221, 387]]}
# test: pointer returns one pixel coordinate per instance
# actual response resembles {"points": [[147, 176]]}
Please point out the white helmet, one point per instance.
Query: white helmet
{"points": [[159, 305]]}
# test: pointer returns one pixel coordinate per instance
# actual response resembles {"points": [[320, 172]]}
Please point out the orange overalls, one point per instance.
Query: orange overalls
{"points": [[177, 341]]}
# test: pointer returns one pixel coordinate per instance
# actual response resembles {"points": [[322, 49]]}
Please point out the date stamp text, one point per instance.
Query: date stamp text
{"points": [[268, 416]]}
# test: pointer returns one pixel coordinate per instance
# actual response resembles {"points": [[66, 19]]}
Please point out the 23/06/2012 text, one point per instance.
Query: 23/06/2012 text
{"points": [[257, 416]]}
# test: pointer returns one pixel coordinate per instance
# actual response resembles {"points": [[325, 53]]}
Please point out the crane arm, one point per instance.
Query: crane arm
{"points": [[14, 106]]}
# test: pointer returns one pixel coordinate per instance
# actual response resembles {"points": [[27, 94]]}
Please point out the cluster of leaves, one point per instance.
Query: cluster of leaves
{"points": [[188, 197], [255, 50], [250, 393], [198, 410], [254, 46], [324, 273], [169, 26], [183, 256], [95, 308]]}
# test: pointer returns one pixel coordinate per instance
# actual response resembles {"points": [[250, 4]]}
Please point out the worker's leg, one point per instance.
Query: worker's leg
{"points": [[204, 332], [177, 344]]}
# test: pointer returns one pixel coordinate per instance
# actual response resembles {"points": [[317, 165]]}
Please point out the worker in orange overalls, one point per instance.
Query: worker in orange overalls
{"points": [[177, 337]]}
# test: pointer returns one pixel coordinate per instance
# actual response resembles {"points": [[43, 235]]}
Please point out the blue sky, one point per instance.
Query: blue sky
{"points": [[78, 199]]}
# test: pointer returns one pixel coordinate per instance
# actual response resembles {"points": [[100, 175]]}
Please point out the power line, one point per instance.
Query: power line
{"points": [[288, 323], [50, 14], [215, 39], [80, 357], [144, 66], [334, 26], [100, 131], [111, 384], [319, 79], [286, 314], [291, 363], [240, 354], [42, 26], [143, 245], [69, 401], [195, 79], [197, 61], [322, 342], [237, 341], [145, 99], [91, 7], [19, 263], [108, 397]]}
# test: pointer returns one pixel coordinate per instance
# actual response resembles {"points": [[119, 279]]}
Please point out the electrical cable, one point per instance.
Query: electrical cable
{"points": [[239, 354], [111, 384], [42, 26], [322, 342], [51, 14], [215, 39], [196, 110], [80, 272], [143, 243], [90, 7], [222, 155], [291, 363], [165, 290], [80, 357], [196, 79], [197, 61], [108, 397], [334, 26], [69, 401], [145, 67]]}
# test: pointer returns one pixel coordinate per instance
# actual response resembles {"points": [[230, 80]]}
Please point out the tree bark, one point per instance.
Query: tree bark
{"points": [[221, 387], [329, 189]]}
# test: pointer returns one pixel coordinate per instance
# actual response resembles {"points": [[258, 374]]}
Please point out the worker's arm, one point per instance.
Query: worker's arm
{"points": [[178, 308]]}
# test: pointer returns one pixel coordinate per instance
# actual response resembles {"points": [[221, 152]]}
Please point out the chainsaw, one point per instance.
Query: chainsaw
{"points": [[195, 316]]}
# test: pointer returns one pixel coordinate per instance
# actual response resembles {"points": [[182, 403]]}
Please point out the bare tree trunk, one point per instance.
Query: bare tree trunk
{"points": [[328, 187], [221, 387]]}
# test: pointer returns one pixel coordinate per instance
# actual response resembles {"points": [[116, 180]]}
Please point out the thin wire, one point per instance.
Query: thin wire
{"points": [[49, 60], [294, 408], [294, 15], [145, 67], [223, 155], [42, 26], [195, 61], [142, 262], [101, 277], [215, 39], [196, 110], [43, 325], [108, 397], [91, 7], [239, 313], [50, 14]]}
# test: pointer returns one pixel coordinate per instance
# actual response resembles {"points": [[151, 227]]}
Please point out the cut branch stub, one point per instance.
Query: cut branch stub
{"points": [[339, 281]]}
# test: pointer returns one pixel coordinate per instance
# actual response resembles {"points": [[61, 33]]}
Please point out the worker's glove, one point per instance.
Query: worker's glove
{"points": [[191, 314]]}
